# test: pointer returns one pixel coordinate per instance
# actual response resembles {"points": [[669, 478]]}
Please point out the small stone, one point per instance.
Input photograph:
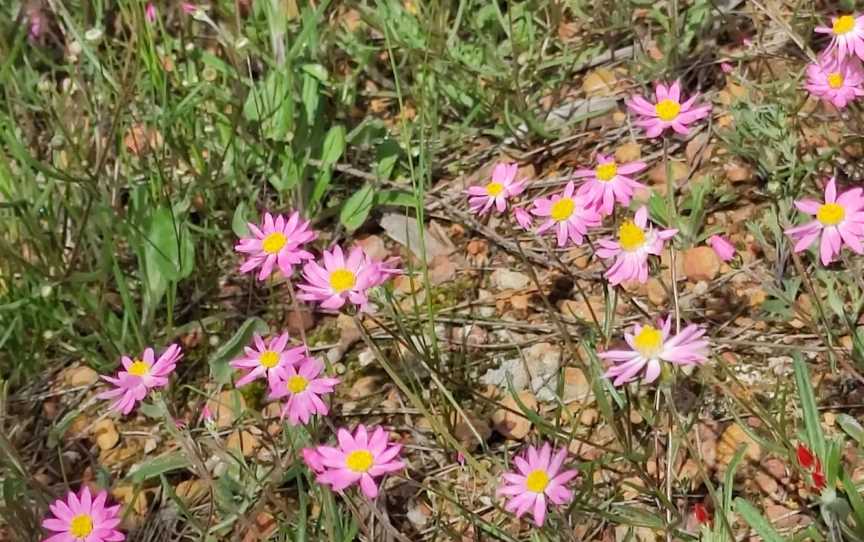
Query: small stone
{"points": [[512, 425], [543, 361], [373, 245], [599, 82], [106, 434], [365, 386], [464, 433], [242, 441], [442, 269], [300, 320], [657, 174], [504, 279], [576, 386], [191, 491], [766, 483], [628, 152], [657, 294], [226, 408], [701, 263], [737, 173], [80, 376]]}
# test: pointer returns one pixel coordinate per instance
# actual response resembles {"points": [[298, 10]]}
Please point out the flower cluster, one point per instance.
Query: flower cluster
{"points": [[837, 75], [810, 462]]}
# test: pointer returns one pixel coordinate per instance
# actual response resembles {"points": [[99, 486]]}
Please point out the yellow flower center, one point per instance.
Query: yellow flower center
{"points": [[844, 24], [81, 526], [359, 460], [341, 280], [268, 359], [831, 214], [493, 189], [648, 342], [606, 172], [630, 236], [667, 109], [139, 368], [274, 242], [562, 209], [835, 80], [536, 481], [296, 384]]}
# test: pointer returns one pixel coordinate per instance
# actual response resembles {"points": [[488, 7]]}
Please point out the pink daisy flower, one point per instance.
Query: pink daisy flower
{"points": [[636, 241], [835, 82], [139, 376], [360, 458], [497, 192], [571, 215], [82, 518], [847, 35], [523, 218], [608, 183], [313, 460], [263, 359], [668, 112], [724, 249], [839, 221], [341, 279], [276, 242], [303, 387], [537, 477], [649, 346]]}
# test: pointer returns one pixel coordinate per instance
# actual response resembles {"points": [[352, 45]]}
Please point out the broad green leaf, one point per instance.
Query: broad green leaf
{"points": [[158, 466], [812, 425], [219, 367], [384, 168], [334, 145], [240, 220], [395, 197], [317, 71], [755, 520], [852, 427], [356, 209]]}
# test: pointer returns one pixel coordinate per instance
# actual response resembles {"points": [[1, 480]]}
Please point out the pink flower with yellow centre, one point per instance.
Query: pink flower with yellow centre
{"points": [[501, 188], [636, 241], [570, 215], [263, 358], [609, 182], [83, 518], [340, 280], [835, 82], [538, 478], [839, 220], [650, 345], [302, 387], [277, 242], [359, 459], [668, 112], [139, 376], [847, 35]]}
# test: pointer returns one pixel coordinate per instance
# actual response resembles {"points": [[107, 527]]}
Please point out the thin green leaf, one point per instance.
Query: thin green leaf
{"points": [[755, 520], [812, 425], [158, 466]]}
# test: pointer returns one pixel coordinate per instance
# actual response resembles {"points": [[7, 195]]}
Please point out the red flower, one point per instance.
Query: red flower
{"points": [[819, 482], [701, 513], [805, 457]]}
